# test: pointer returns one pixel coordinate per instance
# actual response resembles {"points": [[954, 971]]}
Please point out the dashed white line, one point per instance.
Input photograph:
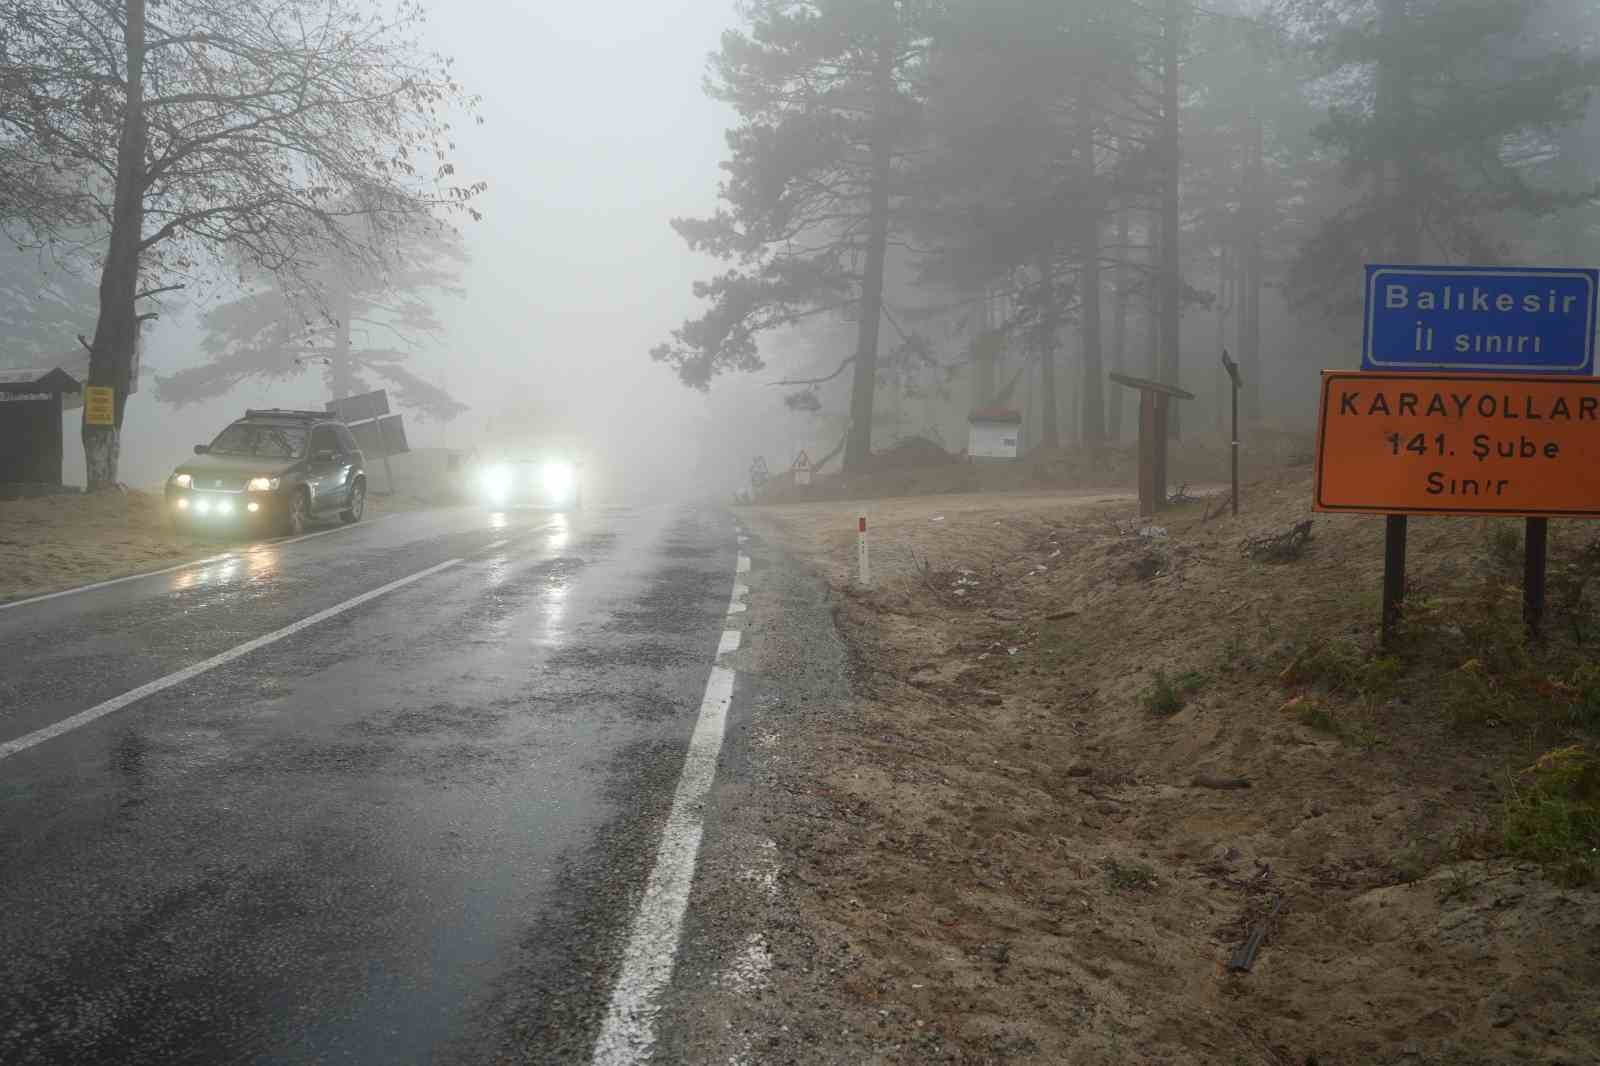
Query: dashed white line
{"points": [[100, 710], [627, 1036]]}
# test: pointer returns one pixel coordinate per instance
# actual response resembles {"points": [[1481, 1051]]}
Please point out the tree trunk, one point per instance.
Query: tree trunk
{"points": [[116, 331], [1119, 326], [1228, 302], [858, 452], [341, 371], [1251, 271], [1050, 424], [1093, 420], [1398, 179], [1152, 293], [1171, 277]]}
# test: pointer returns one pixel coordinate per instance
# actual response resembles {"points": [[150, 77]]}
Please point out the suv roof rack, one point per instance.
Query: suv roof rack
{"points": [[281, 412]]}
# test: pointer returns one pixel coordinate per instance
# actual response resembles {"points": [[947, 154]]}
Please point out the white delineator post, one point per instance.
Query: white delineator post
{"points": [[861, 551]]}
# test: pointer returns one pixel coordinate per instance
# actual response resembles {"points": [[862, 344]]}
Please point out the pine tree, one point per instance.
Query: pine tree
{"points": [[826, 93], [353, 319]]}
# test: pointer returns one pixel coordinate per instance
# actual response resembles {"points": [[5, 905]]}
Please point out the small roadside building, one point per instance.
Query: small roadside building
{"points": [[31, 403], [994, 433]]}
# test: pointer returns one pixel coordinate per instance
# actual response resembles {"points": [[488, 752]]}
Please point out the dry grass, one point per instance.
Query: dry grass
{"points": [[1019, 836]]}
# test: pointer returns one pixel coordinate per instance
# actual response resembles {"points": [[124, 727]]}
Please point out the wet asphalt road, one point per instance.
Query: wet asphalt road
{"points": [[413, 832]]}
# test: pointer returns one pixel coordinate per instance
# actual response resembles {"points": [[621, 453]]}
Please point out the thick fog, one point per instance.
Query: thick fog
{"points": [[1235, 213], [595, 134]]}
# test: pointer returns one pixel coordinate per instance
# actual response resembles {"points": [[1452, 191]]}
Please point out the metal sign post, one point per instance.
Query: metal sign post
{"points": [[375, 429], [1462, 410], [1238, 383]]}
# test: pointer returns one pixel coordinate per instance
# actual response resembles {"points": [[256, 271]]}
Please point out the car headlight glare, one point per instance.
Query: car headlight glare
{"points": [[262, 484], [559, 479], [183, 481], [497, 480]]}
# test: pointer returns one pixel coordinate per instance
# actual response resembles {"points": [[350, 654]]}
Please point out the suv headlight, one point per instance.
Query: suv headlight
{"points": [[183, 481], [263, 484], [559, 478]]}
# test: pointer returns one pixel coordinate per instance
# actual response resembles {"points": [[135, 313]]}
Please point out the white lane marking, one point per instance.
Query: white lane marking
{"points": [[628, 1034], [100, 710], [115, 581], [744, 565]]}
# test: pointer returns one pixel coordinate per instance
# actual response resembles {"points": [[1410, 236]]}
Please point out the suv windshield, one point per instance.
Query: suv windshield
{"points": [[265, 441]]}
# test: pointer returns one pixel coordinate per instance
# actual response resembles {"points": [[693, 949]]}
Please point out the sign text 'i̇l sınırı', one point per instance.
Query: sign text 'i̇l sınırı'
{"points": [[1513, 319]]}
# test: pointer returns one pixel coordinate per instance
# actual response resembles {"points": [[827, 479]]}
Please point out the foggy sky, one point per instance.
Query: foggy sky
{"points": [[596, 133]]}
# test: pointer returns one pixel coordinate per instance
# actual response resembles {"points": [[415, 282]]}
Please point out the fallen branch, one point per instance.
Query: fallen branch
{"points": [[1244, 956], [1278, 547], [1223, 503], [1216, 781]]}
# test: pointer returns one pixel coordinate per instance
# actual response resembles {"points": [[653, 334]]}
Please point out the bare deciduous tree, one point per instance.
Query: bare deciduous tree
{"points": [[187, 129]]}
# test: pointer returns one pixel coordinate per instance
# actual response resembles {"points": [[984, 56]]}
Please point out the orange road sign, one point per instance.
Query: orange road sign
{"points": [[1459, 444]]}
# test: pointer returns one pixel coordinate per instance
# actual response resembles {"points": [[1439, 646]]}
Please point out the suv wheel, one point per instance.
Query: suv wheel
{"points": [[295, 511], [358, 503]]}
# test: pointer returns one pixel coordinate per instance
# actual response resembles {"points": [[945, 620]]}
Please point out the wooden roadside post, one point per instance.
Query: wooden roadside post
{"points": [[1154, 421]]}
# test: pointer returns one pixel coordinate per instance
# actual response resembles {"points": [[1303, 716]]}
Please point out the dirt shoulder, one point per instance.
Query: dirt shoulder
{"points": [[49, 543], [1080, 764]]}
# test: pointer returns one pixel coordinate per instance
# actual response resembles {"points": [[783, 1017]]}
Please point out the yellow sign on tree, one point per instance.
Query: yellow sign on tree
{"points": [[99, 406]]}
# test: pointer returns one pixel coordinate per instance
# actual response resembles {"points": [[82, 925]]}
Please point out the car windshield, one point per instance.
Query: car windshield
{"points": [[264, 441]]}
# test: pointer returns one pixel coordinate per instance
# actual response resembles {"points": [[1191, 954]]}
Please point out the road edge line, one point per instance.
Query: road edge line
{"points": [[276, 542], [627, 1035], [150, 688]]}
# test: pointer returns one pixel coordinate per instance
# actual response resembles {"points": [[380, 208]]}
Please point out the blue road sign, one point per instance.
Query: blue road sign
{"points": [[1532, 320]]}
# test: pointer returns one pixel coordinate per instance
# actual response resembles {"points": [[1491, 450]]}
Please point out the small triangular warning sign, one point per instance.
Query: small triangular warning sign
{"points": [[802, 461]]}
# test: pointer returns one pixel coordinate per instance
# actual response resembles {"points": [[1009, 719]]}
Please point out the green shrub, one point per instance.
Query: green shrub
{"points": [[1553, 816]]}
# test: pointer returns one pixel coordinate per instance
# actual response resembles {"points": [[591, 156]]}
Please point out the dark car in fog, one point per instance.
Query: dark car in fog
{"points": [[270, 471]]}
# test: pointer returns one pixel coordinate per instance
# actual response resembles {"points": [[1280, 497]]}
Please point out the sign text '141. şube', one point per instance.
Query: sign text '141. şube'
{"points": [[1458, 445]]}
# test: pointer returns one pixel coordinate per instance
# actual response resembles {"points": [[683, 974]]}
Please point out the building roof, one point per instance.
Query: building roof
{"points": [[996, 414], [38, 379]]}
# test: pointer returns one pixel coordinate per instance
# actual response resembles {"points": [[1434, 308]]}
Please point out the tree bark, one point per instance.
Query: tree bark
{"points": [[1119, 326], [1398, 178], [1093, 421], [1050, 423], [1171, 276], [1152, 293], [1251, 271], [116, 331], [341, 371], [858, 451]]}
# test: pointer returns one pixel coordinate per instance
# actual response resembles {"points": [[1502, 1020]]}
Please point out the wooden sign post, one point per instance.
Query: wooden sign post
{"points": [[1154, 398]]}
